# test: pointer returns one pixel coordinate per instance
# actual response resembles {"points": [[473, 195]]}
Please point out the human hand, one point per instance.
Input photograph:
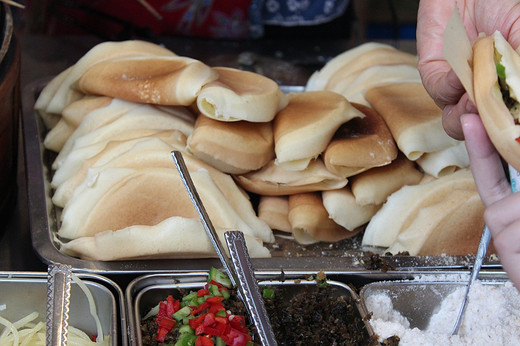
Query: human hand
{"points": [[502, 215], [479, 16]]}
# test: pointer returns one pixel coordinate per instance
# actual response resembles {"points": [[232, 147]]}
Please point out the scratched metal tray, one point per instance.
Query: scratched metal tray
{"points": [[286, 253], [22, 293]]}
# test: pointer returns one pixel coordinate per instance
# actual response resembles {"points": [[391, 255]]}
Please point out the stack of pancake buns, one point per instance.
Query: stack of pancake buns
{"points": [[360, 152]]}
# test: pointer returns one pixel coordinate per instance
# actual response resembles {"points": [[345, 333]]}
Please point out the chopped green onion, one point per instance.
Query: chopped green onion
{"points": [[186, 340], [501, 71], [186, 329], [268, 293], [182, 313], [220, 277]]}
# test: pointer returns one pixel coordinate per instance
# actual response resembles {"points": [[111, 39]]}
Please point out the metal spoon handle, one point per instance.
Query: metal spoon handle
{"points": [[481, 254], [249, 286], [58, 301], [204, 217]]}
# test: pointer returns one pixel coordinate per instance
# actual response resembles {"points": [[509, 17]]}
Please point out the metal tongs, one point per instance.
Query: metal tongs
{"points": [[58, 301], [239, 268], [481, 254]]}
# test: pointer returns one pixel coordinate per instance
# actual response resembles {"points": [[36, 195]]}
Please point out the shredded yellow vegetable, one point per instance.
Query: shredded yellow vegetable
{"points": [[27, 332]]}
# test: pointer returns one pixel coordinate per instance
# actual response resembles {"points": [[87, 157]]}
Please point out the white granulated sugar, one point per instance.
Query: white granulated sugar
{"points": [[492, 317]]}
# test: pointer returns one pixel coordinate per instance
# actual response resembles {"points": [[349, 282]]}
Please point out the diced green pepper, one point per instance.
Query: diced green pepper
{"points": [[213, 289], [186, 340], [219, 341], [182, 313], [225, 294], [189, 296], [268, 293], [221, 313], [220, 277], [186, 329]]}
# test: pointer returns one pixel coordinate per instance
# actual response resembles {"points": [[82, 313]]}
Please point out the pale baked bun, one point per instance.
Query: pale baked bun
{"points": [[451, 227], [274, 210], [310, 221], [303, 129], [141, 117], [240, 95], [459, 233], [272, 180], [175, 237], [343, 209], [74, 160], [413, 118], [360, 144], [403, 206], [319, 79], [93, 120], [501, 126], [354, 90], [163, 80], [376, 57], [151, 151], [445, 161], [71, 118], [233, 147], [235, 195], [50, 119], [116, 198], [66, 93], [375, 185]]}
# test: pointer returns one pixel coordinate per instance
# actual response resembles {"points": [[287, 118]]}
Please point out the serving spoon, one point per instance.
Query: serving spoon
{"points": [[239, 269]]}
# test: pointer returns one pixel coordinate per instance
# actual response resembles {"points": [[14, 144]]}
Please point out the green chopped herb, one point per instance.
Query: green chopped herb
{"points": [[268, 293], [501, 71], [220, 277]]}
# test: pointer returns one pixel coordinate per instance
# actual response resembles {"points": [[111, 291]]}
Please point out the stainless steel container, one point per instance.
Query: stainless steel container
{"points": [[25, 292], [147, 291], [419, 300]]}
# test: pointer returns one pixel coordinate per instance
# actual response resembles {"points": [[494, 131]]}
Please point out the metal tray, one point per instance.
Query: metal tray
{"points": [[26, 292], [286, 253], [146, 291], [419, 300]]}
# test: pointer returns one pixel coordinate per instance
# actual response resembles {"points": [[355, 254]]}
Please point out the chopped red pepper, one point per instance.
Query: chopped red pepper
{"points": [[220, 319], [202, 292], [236, 338], [195, 310], [239, 323], [518, 139], [165, 326], [203, 341], [214, 308], [219, 285], [162, 312], [172, 306], [215, 299], [209, 319], [195, 322]]}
